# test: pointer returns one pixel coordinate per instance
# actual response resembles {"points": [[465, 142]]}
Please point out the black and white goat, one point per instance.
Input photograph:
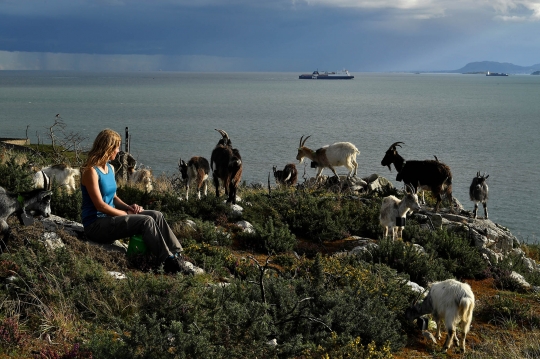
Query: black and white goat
{"points": [[226, 164], [393, 208], [335, 155], [288, 176], [195, 170], [478, 192], [63, 174], [427, 175], [36, 202], [450, 301]]}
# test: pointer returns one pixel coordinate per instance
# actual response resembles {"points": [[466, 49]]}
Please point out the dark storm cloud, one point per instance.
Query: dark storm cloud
{"points": [[278, 35]]}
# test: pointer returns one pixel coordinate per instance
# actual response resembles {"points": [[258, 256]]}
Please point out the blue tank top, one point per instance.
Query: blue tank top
{"points": [[107, 187]]}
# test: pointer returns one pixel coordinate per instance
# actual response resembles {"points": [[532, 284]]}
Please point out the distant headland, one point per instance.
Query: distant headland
{"points": [[482, 67]]}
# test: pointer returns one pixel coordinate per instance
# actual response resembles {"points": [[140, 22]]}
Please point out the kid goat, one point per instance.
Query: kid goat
{"points": [[196, 169], [337, 154], [428, 174], [226, 164], [478, 192], [36, 202], [449, 301], [393, 208], [288, 176]]}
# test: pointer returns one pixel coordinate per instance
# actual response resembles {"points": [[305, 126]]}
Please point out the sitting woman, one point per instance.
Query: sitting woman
{"points": [[107, 218]]}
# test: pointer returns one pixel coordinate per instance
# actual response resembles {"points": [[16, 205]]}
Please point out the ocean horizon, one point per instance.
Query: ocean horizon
{"points": [[473, 123]]}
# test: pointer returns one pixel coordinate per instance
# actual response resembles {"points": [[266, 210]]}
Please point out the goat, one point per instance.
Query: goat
{"points": [[478, 192], [288, 176], [449, 301], [337, 154], [392, 208], [37, 202], [226, 164], [428, 174], [63, 174], [123, 164], [197, 168], [142, 176]]}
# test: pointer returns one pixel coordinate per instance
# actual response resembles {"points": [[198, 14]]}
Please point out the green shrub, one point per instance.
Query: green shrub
{"points": [[14, 177], [271, 237]]}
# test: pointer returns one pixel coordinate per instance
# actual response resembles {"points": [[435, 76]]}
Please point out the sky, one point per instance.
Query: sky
{"points": [[266, 35]]}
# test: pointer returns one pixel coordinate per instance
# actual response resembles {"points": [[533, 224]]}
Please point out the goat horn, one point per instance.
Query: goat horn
{"points": [[223, 133], [418, 297], [395, 144], [305, 139], [46, 181]]}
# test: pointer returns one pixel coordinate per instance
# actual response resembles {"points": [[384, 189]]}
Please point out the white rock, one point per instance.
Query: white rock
{"points": [[117, 275]]}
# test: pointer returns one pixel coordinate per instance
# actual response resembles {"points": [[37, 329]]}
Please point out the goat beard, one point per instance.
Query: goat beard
{"points": [[390, 168]]}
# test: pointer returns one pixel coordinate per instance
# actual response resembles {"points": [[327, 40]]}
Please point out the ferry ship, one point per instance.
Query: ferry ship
{"points": [[338, 75], [496, 74]]}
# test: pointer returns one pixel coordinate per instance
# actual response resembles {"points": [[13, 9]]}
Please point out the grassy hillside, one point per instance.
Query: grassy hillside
{"points": [[291, 283]]}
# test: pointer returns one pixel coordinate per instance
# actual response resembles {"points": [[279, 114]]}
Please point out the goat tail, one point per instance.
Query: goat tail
{"points": [[465, 310]]}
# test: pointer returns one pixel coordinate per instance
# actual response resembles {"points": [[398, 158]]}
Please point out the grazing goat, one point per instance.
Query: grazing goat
{"points": [[288, 176], [392, 208], [142, 176], [64, 175], [338, 154], [197, 168], [449, 301], [478, 192], [226, 164], [428, 174], [36, 202]]}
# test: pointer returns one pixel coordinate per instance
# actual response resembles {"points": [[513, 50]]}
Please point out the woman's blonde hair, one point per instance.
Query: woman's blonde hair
{"points": [[106, 142]]}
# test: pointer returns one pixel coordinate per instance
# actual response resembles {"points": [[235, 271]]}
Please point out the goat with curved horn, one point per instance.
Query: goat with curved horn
{"points": [[337, 154], [430, 175]]}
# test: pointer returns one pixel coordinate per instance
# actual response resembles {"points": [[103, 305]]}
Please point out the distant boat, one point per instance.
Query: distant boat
{"points": [[338, 75], [496, 74]]}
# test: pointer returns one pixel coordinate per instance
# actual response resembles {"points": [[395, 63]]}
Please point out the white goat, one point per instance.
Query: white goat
{"points": [[142, 176], [449, 301], [63, 174], [392, 208], [338, 154]]}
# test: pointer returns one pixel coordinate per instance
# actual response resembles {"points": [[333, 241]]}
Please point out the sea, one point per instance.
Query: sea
{"points": [[473, 123]]}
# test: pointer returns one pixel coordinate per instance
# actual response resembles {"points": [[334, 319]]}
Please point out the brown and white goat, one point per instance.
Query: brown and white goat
{"points": [[63, 174], [196, 169], [393, 208], [451, 302], [335, 155], [226, 164], [479, 192], [427, 174], [288, 176]]}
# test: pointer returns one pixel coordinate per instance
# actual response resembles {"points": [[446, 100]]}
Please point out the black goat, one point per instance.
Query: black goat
{"points": [[226, 164], [478, 192], [428, 174], [36, 202], [197, 168], [288, 176]]}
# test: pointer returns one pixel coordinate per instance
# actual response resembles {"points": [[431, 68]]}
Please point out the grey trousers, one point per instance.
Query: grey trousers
{"points": [[156, 233]]}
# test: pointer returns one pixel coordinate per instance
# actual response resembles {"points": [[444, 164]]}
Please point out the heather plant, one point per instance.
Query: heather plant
{"points": [[270, 237], [14, 177], [421, 267]]}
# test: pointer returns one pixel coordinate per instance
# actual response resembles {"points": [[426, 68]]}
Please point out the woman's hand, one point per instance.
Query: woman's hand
{"points": [[134, 209]]}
